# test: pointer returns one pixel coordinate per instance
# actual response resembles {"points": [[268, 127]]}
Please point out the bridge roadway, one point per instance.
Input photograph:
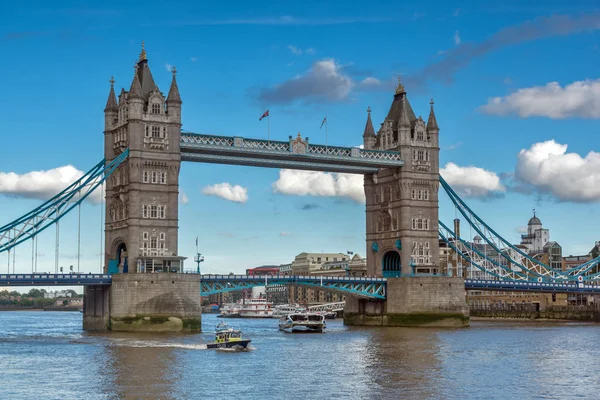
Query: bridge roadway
{"points": [[367, 287]]}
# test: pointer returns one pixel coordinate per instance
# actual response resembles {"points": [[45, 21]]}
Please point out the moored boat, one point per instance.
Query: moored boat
{"points": [[285, 309], [302, 322], [228, 338]]}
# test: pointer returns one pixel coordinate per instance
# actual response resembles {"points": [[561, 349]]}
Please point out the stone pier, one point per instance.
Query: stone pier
{"points": [[163, 302], [413, 301]]}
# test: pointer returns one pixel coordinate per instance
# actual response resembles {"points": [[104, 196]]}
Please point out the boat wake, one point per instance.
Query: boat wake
{"points": [[156, 344], [236, 349]]}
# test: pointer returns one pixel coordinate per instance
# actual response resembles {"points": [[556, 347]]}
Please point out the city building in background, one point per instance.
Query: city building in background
{"points": [[536, 237]]}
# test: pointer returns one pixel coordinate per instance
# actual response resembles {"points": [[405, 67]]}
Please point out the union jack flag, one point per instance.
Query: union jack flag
{"points": [[266, 114]]}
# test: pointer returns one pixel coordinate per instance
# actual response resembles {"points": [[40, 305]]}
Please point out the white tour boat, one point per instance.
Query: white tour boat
{"points": [[230, 310], [302, 322], [255, 308], [285, 309]]}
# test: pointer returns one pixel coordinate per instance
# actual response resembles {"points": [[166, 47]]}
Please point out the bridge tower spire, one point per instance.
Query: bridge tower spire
{"points": [[142, 194], [112, 109], [401, 203], [369, 137]]}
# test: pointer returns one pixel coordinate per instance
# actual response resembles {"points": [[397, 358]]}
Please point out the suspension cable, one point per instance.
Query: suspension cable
{"points": [[79, 233]]}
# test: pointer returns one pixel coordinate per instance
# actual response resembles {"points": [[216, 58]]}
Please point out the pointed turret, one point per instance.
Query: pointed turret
{"points": [[369, 131], [432, 125], [369, 138], [111, 103], [404, 121], [400, 106], [144, 75], [111, 111], [135, 91], [173, 96]]}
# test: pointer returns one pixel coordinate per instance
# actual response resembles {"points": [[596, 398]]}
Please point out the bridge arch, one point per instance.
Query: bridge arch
{"points": [[390, 264], [118, 262]]}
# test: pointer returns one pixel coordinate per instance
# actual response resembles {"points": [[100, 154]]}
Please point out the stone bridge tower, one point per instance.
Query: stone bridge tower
{"points": [[402, 203], [142, 194]]}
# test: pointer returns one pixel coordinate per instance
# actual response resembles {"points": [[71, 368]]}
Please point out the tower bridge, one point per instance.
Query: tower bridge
{"points": [[146, 289]]}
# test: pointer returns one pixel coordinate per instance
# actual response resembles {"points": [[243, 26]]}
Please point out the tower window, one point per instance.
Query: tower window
{"points": [[147, 131], [155, 131], [419, 135], [155, 108], [162, 236], [420, 224]]}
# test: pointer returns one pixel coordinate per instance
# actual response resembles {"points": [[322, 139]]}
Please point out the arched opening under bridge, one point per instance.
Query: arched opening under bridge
{"points": [[390, 264]]}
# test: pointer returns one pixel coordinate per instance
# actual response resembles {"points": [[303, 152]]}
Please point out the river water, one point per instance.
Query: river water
{"points": [[47, 355]]}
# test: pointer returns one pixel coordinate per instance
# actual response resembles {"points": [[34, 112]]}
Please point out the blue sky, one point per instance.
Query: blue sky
{"points": [[490, 69]]}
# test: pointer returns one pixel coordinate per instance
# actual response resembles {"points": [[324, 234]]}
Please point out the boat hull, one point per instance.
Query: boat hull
{"points": [[229, 345], [317, 328]]}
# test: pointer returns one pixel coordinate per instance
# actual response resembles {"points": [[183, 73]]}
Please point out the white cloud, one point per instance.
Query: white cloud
{"points": [[294, 49], [323, 82], [284, 234], [312, 183], [370, 82], [578, 99], [417, 15], [567, 176], [457, 38], [193, 59], [472, 181], [453, 146], [237, 193], [298, 51], [183, 199], [169, 67], [456, 12], [42, 185], [521, 229]]}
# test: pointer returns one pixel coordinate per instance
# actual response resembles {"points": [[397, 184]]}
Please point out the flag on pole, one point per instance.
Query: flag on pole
{"points": [[196, 240], [266, 114], [324, 120], [350, 252]]}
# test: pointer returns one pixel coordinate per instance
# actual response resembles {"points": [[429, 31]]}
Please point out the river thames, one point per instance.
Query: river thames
{"points": [[48, 355]]}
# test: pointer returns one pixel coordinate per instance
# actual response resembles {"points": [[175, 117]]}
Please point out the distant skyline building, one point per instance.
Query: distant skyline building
{"points": [[536, 237]]}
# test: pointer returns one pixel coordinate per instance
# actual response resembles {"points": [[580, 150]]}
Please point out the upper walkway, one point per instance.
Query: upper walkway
{"points": [[295, 153]]}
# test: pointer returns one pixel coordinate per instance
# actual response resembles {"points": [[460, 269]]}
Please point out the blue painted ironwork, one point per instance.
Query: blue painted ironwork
{"points": [[373, 288], [54, 279], [529, 286], [296, 153], [50, 212], [476, 258], [515, 256]]}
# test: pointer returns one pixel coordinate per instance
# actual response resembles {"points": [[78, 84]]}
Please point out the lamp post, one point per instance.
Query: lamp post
{"points": [[198, 259], [348, 262]]}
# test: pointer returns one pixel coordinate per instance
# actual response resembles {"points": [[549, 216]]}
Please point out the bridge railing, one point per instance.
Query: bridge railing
{"points": [[292, 278]]}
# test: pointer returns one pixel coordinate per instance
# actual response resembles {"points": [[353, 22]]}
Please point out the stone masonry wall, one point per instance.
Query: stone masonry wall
{"points": [[414, 301], [155, 302]]}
